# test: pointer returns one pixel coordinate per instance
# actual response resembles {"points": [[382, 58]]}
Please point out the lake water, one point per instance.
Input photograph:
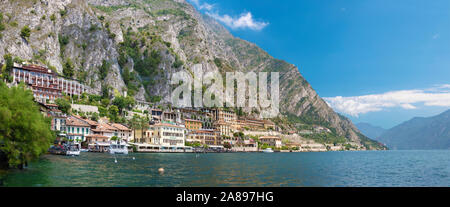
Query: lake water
{"points": [[364, 168]]}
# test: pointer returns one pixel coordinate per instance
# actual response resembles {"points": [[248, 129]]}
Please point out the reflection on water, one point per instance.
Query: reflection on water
{"points": [[384, 168]]}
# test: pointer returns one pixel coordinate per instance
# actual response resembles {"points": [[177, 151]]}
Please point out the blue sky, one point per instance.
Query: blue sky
{"points": [[376, 61]]}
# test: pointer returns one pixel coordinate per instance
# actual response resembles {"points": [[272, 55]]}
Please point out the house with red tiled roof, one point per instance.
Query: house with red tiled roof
{"points": [[104, 130], [122, 131], [77, 129]]}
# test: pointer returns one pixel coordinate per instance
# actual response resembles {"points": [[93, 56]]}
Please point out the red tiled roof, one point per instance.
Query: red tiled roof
{"points": [[107, 126], [96, 136], [167, 125], [269, 137], [120, 127], [72, 121], [70, 134], [268, 122], [193, 120], [90, 122], [204, 131], [104, 128]]}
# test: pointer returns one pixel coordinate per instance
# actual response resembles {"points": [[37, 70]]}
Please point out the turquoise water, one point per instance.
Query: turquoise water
{"points": [[365, 168]]}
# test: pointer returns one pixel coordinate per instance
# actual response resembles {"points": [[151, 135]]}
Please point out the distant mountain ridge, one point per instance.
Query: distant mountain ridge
{"points": [[420, 133], [370, 130]]}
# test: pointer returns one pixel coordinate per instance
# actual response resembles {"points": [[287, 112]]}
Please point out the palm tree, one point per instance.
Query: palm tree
{"points": [[144, 124], [134, 124]]}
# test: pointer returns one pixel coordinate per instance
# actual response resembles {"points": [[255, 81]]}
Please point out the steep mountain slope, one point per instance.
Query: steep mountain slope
{"points": [[136, 45], [62, 32], [420, 133], [370, 131]]}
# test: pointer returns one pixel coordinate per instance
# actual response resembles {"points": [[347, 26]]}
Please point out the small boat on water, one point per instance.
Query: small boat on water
{"points": [[268, 150], [73, 149], [118, 147]]}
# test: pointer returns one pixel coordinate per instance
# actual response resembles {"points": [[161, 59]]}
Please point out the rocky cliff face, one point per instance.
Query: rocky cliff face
{"points": [[61, 32], [143, 42]]}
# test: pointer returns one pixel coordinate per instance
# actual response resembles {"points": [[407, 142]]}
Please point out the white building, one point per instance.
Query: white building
{"points": [[77, 129], [168, 135], [272, 141], [105, 130], [123, 132]]}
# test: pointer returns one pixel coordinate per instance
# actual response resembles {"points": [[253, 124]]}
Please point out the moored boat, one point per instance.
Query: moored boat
{"points": [[268, 150], [118, 147], [73, 149]]}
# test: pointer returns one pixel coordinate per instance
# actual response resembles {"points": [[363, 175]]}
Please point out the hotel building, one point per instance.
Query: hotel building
{"points": [[45, 83], [168, 135], [191, 124], [204, 136]]}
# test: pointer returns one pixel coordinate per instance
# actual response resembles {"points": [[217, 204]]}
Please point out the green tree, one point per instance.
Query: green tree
{"points": [[227, 145], [24, 132], [113, 113], [25, 32], [8, 67], [63, 105], [123, 103], [104, 69], [102, 111], [95, 116], [68, 68], [114, 138], [238, 134], [9, 63]]}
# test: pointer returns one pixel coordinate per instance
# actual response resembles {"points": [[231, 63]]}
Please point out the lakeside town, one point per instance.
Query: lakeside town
{"points": [[140, 126]]}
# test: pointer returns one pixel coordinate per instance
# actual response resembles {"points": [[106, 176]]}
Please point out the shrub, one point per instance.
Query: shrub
{"points": [[25, 32], [63, 105], [63, 40], [68, 68], [62, 12], [104, 69]]}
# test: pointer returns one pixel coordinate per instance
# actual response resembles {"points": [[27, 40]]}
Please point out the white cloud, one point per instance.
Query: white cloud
{"points": [[406, 99], [202, 6], [445, 86], [244, 21]]}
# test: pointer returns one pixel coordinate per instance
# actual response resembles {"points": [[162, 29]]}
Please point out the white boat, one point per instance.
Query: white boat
{"points": [[73, 153], [118, 148], [268, 150], [73, 149]]}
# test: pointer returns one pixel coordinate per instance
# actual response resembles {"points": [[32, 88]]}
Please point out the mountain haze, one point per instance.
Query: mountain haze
{"points": [[370, 131], [135, 46], [420, 133]]}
